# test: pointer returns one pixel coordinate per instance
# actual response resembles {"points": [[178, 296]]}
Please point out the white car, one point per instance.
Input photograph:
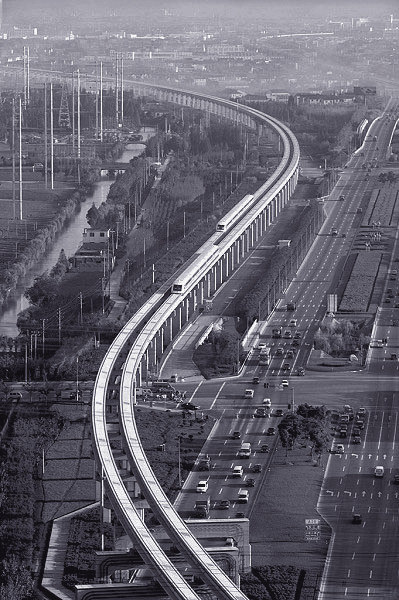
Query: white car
{"points": [[238, 471], [202, 486], [285, 383], [243, 496], [267, 402], [379, 471], [249, 394], [339, 449]]}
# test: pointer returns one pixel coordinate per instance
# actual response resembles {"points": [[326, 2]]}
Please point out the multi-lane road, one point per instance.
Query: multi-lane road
{"points": [[362, 559]]}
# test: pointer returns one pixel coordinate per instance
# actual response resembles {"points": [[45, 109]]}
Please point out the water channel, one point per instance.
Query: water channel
{"points": [[69, 240]]}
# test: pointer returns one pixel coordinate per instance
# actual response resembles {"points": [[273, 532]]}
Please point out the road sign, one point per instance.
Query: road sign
{"points": [[312, 530]]}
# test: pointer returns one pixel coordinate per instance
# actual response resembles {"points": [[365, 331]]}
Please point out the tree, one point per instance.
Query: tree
{"points": [[289, 430], [92, 215], [43, 290]]}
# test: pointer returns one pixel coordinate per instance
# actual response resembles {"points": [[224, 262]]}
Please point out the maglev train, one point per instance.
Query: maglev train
{"points": [[197, 267], [235, 213]]}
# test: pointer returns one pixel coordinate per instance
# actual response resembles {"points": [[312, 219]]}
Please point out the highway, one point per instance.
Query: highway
{"points": [[362, 560]]}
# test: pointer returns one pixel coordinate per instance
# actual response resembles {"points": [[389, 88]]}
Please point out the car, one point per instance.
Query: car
{"points": [[284, 383], [238, 471], [357, 518], [292, 323], [342, 197], [296, 342], [257, 468], [271, 431], [357, 439], [286, 367], [249, 394], [224, 504], [339, 449], [396, 478], [379, 471], [202, 486], [267, 402], [356, 431], [334, 231], [343, 432], [279, 412], [243, 496], [297, 335], [264, 448], [360, 423], [260, 412], [280, 351], [250, 482], [288, 334], [361, 411], [188, 406], [255, 379], [240, 515], [236, 435], [345, 418], [387, 301], [301, 371], [289, 354], [261, 345], [18, 396]]}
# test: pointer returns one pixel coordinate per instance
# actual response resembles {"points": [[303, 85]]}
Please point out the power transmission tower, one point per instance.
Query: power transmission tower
{"points": [[64, 118]]}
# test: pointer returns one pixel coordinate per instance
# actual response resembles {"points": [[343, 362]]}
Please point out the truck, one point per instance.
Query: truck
{"points": [[202, 507], [204, 463], [245, 450]]}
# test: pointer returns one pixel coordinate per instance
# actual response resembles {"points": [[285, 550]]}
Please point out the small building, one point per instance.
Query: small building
{"points": [[96, 253]]}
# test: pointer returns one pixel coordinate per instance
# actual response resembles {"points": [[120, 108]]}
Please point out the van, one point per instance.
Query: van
{"points": [[15, 395], [245, 450], [243, 496], [238, 471], [249, 394]]}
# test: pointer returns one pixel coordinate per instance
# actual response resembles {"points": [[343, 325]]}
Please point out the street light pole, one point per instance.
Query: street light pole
{"points": [[77, 378]]}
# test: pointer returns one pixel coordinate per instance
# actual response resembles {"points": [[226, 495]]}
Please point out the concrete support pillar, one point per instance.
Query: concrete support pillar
{"points": [[170, 329]]}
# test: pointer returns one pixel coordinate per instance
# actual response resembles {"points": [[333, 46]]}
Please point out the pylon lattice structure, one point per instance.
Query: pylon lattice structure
{"points": [[64, 118]]}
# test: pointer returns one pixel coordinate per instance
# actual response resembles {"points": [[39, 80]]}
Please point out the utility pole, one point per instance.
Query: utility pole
{"points": [[20, 159], [51, 137], [45, 138]]}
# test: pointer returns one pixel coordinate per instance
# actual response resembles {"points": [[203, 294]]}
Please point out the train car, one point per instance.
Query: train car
{"points": [[235, 213], [203, 260]]}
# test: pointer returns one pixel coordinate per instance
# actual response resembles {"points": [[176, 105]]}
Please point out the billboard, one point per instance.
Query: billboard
{"points": [[365, 90]]}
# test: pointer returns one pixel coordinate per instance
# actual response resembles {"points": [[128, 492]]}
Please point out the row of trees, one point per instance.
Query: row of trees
{"points": [[19, 534]]}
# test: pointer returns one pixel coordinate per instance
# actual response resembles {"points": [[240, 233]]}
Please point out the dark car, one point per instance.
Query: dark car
{"points": [[257, 468], [286, 366], [357, 439], [271, 431], [224, 504], [188, 406], [396, 478], [357, 518], [279, 412], [250, 482], [290, 354], [255, 379], [296, 342], [236, 435], [240, 515]]}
